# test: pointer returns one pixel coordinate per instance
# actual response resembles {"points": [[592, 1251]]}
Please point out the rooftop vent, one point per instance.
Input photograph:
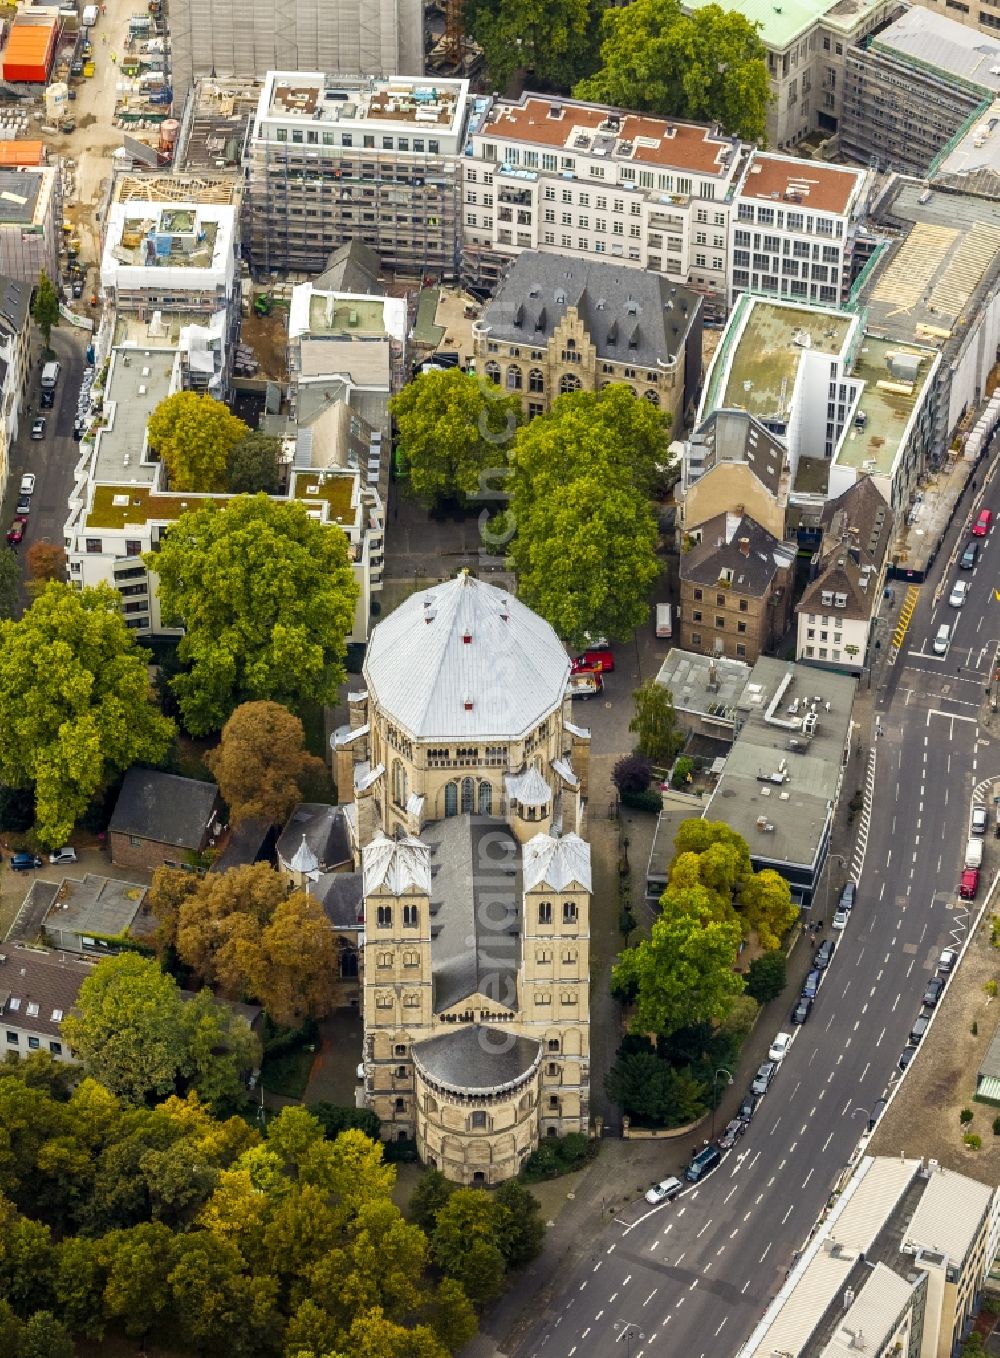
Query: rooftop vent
{"points": [[467, 704], [467, 638]]}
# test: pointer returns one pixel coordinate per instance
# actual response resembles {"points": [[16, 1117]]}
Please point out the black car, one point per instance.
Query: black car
{"points": [[48, 400], [811, 985], [933, 992], [703, 1163], [78, 288], [969, 557], [906, 1057], [748, 1107], [824, 954], [802, 1010], [848, 895]]}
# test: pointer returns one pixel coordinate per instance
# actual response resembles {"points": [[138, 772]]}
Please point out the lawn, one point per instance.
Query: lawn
{"points": [[288, 1072]]}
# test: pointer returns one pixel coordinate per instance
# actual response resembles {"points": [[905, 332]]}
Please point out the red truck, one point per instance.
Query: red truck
{"points": [[968, 884]]}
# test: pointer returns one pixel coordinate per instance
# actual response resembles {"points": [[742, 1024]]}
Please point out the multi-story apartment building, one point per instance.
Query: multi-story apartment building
{"points": [[120, 507], [169, 260], [913, 87], [30, 223], [15, 302], [570, 325], [807, 45], [221, 38], [332, 159], [583, 181], [795, 223]]}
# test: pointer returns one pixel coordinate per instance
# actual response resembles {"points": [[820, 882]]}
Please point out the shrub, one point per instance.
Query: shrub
{"points": [[643, 801], [965, 1116], [683, 770], [558, 1155], [973, 1141], [974, 1030], [632, 773], [991, 989]]}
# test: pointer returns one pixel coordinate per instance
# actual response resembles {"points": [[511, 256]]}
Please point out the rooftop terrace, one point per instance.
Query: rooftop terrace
{"points": [[139, 380], [333, 488], [336, 316], [318, 98], [115, 506]]}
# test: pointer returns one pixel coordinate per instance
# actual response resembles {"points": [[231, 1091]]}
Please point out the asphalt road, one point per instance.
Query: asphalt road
{"points": [[693, 1277]]}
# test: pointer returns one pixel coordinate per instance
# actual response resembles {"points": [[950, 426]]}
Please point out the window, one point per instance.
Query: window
{"points": [[553, 1044], [543, 956], [543, 996], [544, 912], [467, 794], [93, 544], [135, 841], [411, 1000], [569, 912], [741, 650], [33, 1044], [514, 382], [567, 997], [411, 959], [383, 959], [485, 799], [12, 1038], [57, 1016], [383, 999], [477, 1120], [411, 917], [451, 799], [569, 956], [536, 380], [695, 638], [383, 916]]}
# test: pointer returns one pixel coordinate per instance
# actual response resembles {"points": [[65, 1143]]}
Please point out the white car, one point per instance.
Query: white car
{"points": [[840, 919], [779, 1047], [959, 594], [64, 855], [28, 483], [664, 1191]]}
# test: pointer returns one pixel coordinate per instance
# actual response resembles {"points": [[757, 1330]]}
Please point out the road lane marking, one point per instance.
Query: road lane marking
{"points": [[807, 1178], [827, 1142], [767, 1248], [787, 1214], [880, 1037], [730, 1193], [704, 1229], [745, 1286], [719, 1330], [651, 1296]]}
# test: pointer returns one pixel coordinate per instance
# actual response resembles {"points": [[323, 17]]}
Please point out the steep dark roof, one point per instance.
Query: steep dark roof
{"points": [[164, 808], [341, 894], [325, 830], [477, 1058], [353, 267], [631, 315], [50, 980], [737, 436], [252, 841], [736, 543], [857, 529], [15, 299]]}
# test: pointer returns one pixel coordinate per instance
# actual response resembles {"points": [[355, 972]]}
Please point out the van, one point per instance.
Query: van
{"points": [[50, 376], [974, 853], [942, 639], [703, 1163], [664, 620], [89, 16], [968, 884]]}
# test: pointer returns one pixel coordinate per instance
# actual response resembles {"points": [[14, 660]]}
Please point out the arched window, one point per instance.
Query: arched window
{"points": [[653, 397], [536, 380], [485, 799], [399, 781], [492, 371], [513, 378], [451, 799], [569, 382], [468, 794]]}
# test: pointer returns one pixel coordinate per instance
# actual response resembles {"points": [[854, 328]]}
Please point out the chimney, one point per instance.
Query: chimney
{"points": [[428, 610], [848, 1298], [468, 704], [744, 546], [504, 610], [467, 638]]}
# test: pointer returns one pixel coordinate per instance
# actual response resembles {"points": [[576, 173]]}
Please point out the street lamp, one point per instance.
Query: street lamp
{"points": [[629, 1333], [715, 1085], [867, 1115]]}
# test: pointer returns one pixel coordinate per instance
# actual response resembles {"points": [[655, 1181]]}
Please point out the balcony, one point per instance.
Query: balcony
{"points": [[519, 197]]}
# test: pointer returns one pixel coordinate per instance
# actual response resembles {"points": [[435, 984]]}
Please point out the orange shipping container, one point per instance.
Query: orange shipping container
{"points": [[13, 153], [29, 51]]}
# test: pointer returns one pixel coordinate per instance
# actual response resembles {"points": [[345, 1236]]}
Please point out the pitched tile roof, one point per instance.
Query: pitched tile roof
{"points": [[857, 530], [737, 544], [38, 987], [323, 829]]}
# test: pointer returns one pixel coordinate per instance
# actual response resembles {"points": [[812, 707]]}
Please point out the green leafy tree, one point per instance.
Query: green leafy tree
{"points": [[221, 1049], [523, 1231], [465, 1243], [136, 1295], [766, 977], [45, 1336], [45, 307], [195, 436], [253, 465], [10, 578], [431, 1193], [707, 66], [555, 42], [266, 597], [454, 434], [767, 907], [261, 762], [90, 714], [655, 722], [647, 1088], [335, 1120], [451, 1315], [683, 973]]}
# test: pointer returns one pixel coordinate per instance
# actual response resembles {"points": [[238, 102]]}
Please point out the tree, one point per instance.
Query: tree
{"points": [[221, 1049], [431, 1193], [454, 430], [299, 962], [335, 1120], [261, 762], [253, 465], [465, 1243], [655, 722], [683, 973], [555, 42], [45, 1336], [45, 561], [45, 307], [266, 597], [707, 66], [767, 908], [523, 1231], [90, 714], [632, 773], [766, 977], [10, 578], [647, 1088], [194, 436]]}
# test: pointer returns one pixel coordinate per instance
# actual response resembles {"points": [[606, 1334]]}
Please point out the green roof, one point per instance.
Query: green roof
{"points": [[333, 487], [115, 506], [781, 22]]}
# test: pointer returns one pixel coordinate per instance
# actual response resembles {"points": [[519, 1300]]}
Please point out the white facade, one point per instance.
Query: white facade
{"points": [[169, 255], [832, 637], [584, 180], [794, 228]]}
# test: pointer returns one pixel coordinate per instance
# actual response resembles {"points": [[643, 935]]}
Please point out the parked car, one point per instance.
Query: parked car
{"points": [[979, 821], [763, 1078], [779, 1047], [23, 506], [802, 1010], [947, 961], [982, 525], [38, 428], [824, 954], [969, 557], [968, 884], [78, 288], [920, 1024], [959, 593], [733, 1131], [665, 1191], [748, 1107], [932, 992], [811, 984], [23, 862], [906, 1057], [840, 918], [28, 483], [15, 532], [703, 1163], [942, 639], [66, 854], [48, 400], [848, 895]]}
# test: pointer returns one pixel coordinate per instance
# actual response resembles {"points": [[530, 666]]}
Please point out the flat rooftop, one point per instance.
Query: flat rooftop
{"points": [[97, 905], [755, 370], [705, 687], [781, 24], [399, 101], [782, 773], [145, 237], [887, 402], [971, 163], [217, 129], [332, 487], [590, 129], [138, 380], [810, 183], [935, 41], [20, 192]]}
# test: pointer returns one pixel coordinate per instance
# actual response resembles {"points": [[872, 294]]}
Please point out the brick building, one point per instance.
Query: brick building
{"points": [[160, 819]]}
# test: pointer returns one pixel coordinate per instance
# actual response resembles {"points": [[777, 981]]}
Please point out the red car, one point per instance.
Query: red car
{"points": [[16, 531], [597, 658], [982, 525]]}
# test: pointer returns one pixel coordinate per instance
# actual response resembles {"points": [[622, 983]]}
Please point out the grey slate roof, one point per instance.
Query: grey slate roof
{"points": [[324, 828], [341, 894], [753, 569], [164, 808], [857, 530], [935, 40], [631, 315], [353, 267], [15, 299], [477, 1058], [252, 841], [475, 910], [50, 980]]}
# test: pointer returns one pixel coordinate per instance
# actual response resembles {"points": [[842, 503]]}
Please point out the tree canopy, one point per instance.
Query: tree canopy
{"points": [[10, 578], [655, 723], [45, 561], [708, 66], [253, 465], [133, 1031], [195, 436], [45, 306], [455, 431], [555, 42], [75, 705], [266, 597], [261, 763]]}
